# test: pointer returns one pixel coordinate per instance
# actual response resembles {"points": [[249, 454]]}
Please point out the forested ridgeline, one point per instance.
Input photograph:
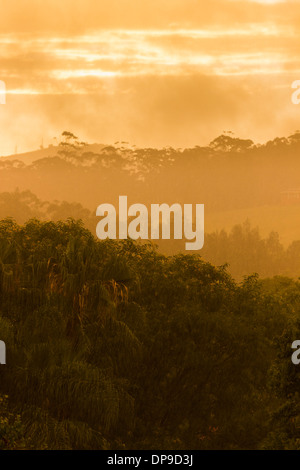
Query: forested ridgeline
{"points": [[229, 173], [111, 345]]}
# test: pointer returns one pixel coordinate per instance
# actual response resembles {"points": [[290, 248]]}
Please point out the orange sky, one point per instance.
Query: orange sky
{"points": [[159, 72]]}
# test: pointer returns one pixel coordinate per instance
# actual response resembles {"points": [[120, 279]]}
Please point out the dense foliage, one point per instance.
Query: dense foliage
{"points": [[111, 345], [242, 248]]}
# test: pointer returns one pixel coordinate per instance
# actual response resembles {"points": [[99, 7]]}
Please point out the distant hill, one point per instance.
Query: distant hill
{"points": [[30, 157], [235, 179], [50, 151]]}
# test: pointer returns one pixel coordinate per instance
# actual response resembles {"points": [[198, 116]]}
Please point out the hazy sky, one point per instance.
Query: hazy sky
{"points": [[151, 72]]}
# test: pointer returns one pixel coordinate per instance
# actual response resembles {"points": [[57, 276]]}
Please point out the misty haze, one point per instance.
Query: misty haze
{"points": [[134, 344]]}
